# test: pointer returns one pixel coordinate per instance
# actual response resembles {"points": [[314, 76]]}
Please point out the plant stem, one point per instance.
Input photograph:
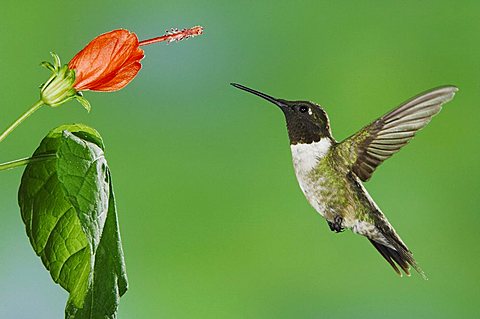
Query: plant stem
{"points": [[25, 161], [22, 118]]}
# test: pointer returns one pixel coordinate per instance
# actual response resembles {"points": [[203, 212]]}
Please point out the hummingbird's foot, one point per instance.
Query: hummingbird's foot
{"points": [[336, 225]]}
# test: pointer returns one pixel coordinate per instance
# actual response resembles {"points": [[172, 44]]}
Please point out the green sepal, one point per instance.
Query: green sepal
{"points": [[82, 100], [59, 89]]}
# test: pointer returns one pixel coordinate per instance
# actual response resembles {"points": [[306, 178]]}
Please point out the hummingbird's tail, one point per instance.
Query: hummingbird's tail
{"points": [[399, 256]]}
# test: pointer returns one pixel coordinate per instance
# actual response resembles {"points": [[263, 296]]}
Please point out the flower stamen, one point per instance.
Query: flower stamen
{"points": [[174, 35]]}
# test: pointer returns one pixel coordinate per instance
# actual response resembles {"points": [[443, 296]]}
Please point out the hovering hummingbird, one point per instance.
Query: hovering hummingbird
{"points": [[330, 173]]}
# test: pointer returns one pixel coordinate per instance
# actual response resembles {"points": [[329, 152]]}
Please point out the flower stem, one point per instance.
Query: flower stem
{"points": [[25, 161], [22, 118]]}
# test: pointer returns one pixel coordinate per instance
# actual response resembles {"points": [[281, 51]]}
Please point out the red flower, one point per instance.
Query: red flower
{"points": [[110, 61]]}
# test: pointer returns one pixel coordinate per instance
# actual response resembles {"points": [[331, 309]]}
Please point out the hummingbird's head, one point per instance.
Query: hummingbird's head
{"points": [[307, 122]]}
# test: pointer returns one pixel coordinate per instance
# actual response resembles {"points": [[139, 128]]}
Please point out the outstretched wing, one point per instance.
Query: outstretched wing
{"points": [[376, 142]]}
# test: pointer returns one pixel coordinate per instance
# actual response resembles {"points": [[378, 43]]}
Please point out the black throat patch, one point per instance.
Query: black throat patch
{"points": [[307, 127]]}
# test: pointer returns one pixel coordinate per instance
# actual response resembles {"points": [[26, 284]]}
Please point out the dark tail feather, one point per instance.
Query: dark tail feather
{"points": [[401, 257]]}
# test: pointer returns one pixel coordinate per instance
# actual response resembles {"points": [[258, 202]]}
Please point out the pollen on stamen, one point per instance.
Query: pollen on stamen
{"points": [[175, 35]]}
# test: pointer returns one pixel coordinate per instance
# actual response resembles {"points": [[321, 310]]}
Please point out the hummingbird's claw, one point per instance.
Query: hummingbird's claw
{"points": [[336, 225]]}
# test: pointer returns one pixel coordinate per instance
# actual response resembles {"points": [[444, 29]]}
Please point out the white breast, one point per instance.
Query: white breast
{"points": [[305, 157]]}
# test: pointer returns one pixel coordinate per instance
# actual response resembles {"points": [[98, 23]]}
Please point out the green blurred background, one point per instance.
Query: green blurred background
{"points": [[213, 222]]}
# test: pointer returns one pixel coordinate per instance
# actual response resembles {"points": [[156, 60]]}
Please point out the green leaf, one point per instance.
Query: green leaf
{"points": [[68, 207]]}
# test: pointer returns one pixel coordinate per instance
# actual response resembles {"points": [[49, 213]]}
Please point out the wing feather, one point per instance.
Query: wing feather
{"points": [[378, 141]]}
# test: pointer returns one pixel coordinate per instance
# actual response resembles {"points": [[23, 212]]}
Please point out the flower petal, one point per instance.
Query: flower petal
{"points": [[108, 62], [119, 80]]}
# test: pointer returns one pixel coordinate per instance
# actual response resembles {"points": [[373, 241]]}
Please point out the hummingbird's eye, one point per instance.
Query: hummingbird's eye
{"points": [[303, 109]]}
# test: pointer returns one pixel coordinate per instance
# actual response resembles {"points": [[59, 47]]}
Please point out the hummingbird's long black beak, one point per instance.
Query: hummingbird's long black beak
{"points": [[275, 101]]}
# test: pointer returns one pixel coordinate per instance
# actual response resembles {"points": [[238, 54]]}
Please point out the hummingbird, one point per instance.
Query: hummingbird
{"points": [[330, 173]]}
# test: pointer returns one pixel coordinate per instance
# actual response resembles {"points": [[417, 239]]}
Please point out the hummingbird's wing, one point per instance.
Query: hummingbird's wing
{"points": [[379, 140]]}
